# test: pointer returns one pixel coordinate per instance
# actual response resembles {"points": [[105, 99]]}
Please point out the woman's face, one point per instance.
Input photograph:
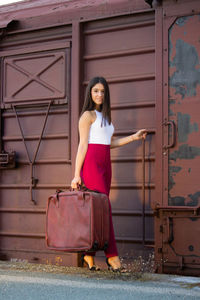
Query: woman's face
{"points": [[97, 93]]}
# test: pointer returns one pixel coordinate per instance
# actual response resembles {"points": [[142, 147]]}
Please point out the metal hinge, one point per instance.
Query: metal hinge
{"points": [[7, 160]]}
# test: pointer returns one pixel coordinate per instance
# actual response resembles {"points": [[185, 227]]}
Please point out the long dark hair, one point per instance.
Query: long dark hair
{"points": [[89, 103]]}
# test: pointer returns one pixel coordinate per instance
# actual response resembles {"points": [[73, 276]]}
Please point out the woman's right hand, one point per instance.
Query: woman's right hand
{"points": [[76, 182]]}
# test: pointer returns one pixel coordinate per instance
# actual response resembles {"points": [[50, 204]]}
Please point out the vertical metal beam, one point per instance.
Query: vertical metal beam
{"points": [[75, 89], [143, 192], [74, 107], [1, 130], [159, 133], [1, 105], [159, 106]]}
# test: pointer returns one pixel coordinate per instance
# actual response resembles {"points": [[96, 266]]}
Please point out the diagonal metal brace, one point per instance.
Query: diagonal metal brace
{"points": [[33, 180]]}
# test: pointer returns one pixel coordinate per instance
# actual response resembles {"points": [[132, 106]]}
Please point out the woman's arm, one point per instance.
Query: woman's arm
{"points": [[84, 127], [140, 134]]}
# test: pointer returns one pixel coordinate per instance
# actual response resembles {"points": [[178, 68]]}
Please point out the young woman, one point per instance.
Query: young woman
{"points": [[93, 165]]}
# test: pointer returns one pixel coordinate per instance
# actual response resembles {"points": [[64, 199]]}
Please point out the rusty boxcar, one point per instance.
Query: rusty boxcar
{"points": [[149, 53]]}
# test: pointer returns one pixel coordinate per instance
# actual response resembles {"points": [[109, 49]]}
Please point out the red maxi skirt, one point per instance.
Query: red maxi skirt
{"points": [[96, 175]]}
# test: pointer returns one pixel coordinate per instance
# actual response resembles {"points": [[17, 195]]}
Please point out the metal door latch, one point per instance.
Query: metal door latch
{"points": [[7, 160]]}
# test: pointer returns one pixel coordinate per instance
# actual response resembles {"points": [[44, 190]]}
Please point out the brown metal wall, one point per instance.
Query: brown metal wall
{"points": [[122, 50], [38, 66]]}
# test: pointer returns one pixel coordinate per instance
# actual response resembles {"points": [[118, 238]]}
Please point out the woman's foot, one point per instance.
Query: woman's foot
{"points": [[89, 261], [114, 264]]}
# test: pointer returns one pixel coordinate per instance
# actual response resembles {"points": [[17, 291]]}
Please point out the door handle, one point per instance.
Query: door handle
{"points": [[173, 137]]}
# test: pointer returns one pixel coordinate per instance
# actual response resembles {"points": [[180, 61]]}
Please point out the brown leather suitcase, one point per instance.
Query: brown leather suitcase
{"points": [[77, 221]]}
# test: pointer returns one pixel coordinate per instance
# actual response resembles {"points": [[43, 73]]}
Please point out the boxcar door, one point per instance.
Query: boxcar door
{"points": [[179, 220]]}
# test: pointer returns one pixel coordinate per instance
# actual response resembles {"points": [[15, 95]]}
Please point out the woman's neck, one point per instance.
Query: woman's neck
{"points": [[98, 108]]}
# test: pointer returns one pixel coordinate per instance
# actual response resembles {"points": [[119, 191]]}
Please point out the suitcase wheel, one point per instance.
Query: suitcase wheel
{"points": [[105, 246], [95, 246]]}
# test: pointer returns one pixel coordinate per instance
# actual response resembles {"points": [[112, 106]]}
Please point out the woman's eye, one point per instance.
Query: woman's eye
{"points": [[96, 91]]}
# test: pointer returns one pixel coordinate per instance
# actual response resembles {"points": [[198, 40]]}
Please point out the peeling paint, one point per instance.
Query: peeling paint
{"points": [[171, 113], [172, 170], [171, 182], [185, 152], [176, 201], [195, 198], [190, 200], [172, 101], [170, 44], [182, 21], [175, 169], [185, 127], [187, 75]]}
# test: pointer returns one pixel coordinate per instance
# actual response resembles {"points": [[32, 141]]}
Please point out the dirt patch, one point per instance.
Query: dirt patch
{"points": [[137, 269], [23, 266]]}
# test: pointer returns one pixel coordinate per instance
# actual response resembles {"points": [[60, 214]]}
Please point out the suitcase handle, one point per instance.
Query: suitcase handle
{"points": [[81, 190], [81, 196]]}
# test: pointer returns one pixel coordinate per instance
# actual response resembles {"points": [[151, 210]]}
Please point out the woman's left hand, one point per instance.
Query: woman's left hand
{"points": [[140, 134]]}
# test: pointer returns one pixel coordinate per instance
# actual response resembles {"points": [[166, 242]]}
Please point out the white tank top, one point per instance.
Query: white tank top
{"points": [[100, 134]]}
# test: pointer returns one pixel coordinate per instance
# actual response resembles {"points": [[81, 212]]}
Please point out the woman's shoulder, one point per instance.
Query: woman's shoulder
{"points": [[88, 116]]}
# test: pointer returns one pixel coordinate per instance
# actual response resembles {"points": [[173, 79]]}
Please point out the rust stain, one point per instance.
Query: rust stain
{"points": [[185, 127], [189, 200], [185, 152], [172, 172], [183, 20], [176, 201], [187, 75]]}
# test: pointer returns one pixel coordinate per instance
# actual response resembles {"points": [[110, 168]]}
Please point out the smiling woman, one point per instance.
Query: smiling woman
{"points": [[93, 163]]}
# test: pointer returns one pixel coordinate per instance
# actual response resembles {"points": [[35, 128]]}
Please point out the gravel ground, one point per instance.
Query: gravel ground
{"points": [[81, 272]]}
